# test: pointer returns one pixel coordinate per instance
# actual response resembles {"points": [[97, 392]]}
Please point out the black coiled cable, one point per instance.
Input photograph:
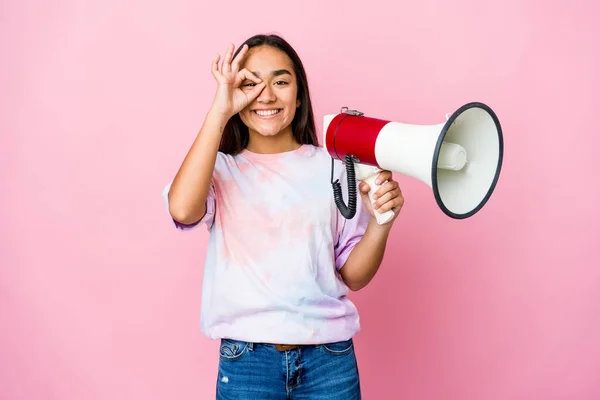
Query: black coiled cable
{"points": [[350, 210]]}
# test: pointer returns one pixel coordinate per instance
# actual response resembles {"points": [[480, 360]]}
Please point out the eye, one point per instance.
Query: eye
{"points": [[281, 83], [249, 84]]}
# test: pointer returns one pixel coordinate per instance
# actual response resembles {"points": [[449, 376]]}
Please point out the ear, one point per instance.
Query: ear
{"points": [[298, 102]]}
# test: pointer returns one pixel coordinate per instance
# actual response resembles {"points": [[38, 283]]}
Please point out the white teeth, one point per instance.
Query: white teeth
{"points": [[266, 113]]}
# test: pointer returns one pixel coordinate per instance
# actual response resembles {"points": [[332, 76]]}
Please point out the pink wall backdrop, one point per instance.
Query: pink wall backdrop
{"points": [[100, 296]]}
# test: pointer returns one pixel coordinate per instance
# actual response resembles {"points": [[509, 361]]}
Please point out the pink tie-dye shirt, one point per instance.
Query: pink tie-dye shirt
{"points": [[276, 244]]}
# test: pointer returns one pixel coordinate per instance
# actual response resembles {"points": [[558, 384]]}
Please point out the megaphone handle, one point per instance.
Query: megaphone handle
{"points": [[381, 218]]}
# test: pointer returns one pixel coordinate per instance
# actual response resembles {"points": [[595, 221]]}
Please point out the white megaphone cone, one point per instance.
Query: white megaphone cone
{"points": [[460, 159]]}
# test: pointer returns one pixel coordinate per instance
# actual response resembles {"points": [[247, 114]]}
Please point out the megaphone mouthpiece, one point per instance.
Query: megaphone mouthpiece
{"points": [[452, 156]]}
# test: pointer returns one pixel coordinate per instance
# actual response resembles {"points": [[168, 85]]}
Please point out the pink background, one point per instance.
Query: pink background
{"points": [[99, 295]]}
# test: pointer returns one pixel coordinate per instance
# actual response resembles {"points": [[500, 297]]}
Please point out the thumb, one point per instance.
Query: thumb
{"points": [[364, 188], [252, 94]]}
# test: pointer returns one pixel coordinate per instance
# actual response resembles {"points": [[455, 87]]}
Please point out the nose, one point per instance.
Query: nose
{"points": [[266, 95]]}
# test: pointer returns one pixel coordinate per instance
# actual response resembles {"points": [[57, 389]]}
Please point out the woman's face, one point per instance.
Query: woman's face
{"points": [[273, 110]]}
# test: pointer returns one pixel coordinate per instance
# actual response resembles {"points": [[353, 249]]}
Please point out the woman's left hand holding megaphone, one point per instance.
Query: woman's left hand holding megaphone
{"points": [[387, 197]]}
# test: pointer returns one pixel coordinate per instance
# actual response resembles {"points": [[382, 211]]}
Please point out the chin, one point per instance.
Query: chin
{"points": [[267, 131], [264, 128]]}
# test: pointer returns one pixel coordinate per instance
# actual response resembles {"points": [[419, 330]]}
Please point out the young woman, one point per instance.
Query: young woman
{"points": [[281, 258]]}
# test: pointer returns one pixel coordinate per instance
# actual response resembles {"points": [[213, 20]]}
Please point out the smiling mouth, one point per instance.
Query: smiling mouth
{"points": [[267, 113]]}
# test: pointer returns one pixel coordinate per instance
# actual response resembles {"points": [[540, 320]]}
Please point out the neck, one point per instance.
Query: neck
{"points": [[279, 143]]}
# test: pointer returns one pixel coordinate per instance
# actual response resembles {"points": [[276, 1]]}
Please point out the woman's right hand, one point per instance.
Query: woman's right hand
{"points": [[230, 97]]}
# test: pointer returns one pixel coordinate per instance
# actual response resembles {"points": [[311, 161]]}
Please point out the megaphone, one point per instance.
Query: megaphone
{"points": [[459, 159]]}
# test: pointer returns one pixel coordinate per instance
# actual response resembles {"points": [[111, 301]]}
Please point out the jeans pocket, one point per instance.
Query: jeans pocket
{"points": [[232, 350], [341, 348]]}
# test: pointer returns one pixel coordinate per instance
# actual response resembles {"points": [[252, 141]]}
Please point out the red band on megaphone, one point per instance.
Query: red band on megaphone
{"points": [[354, 135]]}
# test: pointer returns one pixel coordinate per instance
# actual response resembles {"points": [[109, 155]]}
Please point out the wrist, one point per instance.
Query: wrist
{"points": [[377, 229], [218, 116]]}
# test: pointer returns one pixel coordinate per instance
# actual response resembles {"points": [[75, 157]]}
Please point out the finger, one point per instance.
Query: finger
{"points": [[245, 74], [396, 202], [215, 66], [383, 176], [386, 187], [235, 65], [227, 59], [253, 94], [387, 197]]}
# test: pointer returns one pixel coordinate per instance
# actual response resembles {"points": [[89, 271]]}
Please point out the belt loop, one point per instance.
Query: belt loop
{"points": [[251, 346]]}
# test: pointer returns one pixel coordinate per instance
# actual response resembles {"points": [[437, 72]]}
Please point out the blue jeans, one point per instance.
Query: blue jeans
{"points": [[254, 371]]}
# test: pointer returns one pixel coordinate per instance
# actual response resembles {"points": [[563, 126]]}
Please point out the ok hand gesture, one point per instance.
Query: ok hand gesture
{"points": [[230, 98]]}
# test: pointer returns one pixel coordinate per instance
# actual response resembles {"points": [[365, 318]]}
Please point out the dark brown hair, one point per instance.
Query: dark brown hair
{"points": [[235, 134]]}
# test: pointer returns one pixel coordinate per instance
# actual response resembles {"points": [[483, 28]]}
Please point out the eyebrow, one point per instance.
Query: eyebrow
{"points": [[277, 72]]}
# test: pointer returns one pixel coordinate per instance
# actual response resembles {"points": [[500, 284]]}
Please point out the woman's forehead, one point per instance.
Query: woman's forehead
{"points": [[267, 60]]}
